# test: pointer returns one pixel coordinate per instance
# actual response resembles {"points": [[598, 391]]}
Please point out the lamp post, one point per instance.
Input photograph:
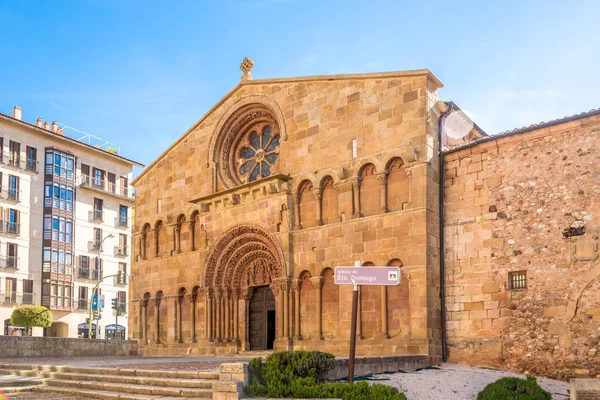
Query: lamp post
{"points": [[95, 290]]}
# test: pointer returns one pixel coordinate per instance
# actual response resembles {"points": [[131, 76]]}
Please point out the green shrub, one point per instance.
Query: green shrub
{"points": [[301, 374], [514, 389], [29, 316]]}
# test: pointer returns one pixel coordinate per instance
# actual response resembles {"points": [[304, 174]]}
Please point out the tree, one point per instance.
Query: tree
{"points": [[29, 316]]}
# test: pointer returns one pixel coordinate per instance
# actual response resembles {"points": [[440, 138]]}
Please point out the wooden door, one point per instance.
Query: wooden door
{"points": [[261, 303]]}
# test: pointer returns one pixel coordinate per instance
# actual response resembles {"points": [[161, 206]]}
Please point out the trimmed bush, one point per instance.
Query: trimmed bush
{"points": [[514, 389], [29, 316], [301, 374]]}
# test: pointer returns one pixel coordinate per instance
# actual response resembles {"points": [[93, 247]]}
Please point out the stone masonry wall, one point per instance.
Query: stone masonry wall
{"points": [[23, 347], [527, 202]]}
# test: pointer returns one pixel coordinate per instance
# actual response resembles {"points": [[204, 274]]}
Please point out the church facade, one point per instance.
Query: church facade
{"points": [[242, 221], [240, 224]]}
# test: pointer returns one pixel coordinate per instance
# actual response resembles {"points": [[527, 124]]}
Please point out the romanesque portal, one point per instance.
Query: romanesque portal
{"points": [[246, 264]]}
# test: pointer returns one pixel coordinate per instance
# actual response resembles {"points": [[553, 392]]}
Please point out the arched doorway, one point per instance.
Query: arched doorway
{"points": [[244, 272]]}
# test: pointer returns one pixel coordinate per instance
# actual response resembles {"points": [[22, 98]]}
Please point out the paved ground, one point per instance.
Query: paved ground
{"points": [[458, 382]]}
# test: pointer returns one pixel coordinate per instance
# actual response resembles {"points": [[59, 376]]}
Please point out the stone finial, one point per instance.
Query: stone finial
{"points": [[246, 67]]}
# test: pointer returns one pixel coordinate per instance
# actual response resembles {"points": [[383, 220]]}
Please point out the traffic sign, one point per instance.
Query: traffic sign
{"points": [[95, 302], [388, 276]]}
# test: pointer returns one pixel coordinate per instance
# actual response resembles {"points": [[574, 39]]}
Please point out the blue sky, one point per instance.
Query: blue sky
{"points": [[140, 73]]}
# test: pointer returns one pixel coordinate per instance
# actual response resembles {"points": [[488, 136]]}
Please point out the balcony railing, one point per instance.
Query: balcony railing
{"points": [[122, 251], [83, 304], [9, 297], [95, 275], [11, 262], [33, 165], [105, 186], [121, 279], [83, 273], [10, 194], [121, 222], [28, 298], [14, 160], [10, 227], [96, 215], [95, 245]]}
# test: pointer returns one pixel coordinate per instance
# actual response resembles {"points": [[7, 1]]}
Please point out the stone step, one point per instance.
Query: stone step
{"points": [[130, 388], [137, 380], [33, 370], [97, 394]]}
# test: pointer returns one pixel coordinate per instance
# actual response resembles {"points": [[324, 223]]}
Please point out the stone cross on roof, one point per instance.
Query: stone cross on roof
{"points": [[246, 67]]}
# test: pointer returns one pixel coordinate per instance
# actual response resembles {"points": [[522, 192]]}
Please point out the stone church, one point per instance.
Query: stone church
{"points": [[241, 222]]}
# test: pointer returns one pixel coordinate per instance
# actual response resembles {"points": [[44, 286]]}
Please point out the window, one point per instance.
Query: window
{"points": [[15, 152], [12, 225], [58, 228], [517, 280], [84, 267], [2, 150], [31, 162], [122, 301], [62, 261], [96, 272], [258, 153], [85, 174], [97, 213], [11, 290], [112, 184], [58, 196], [82, 302], [98, 178], [123, 215], [122, 277], [27, 291], [13, 188], [60, 164], [97, 238], [124, 186], [11, 255]]}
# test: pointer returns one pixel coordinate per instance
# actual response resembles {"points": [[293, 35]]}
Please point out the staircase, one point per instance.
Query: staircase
{"points": [[112, 383]]}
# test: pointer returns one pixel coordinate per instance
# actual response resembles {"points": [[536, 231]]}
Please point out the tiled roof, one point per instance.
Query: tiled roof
{"points": [[138, 164], [530, 128]]}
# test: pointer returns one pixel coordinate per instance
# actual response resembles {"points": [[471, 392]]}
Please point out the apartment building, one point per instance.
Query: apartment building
{"points": [[65, 211]]}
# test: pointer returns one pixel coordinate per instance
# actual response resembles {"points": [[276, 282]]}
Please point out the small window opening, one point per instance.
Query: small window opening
{"points": [[517, 280]]}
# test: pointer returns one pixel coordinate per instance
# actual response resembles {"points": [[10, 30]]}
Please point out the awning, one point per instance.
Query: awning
{"points": [[112, 327]]}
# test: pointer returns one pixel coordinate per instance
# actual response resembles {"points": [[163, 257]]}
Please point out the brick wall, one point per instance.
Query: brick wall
{"points": [[508, 202]]}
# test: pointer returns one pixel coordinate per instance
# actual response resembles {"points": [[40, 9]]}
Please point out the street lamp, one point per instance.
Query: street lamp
{"points": [[95, 290]]}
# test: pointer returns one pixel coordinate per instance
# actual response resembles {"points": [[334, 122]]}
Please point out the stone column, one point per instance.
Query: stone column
{"points": [[236, 315], [157, 305], [175, 321], [155, 237], [286, 308], [318, 202], [297, 286], [318, 285], [383, 178], [226, 303], [276, 288], [180, 318], [177, 236], [208, 312], [356, 198], [191, 225], [193, 299], [247, 294], [142, 245], [297, 224], [384, 319], [145, 322], [219, 322]]}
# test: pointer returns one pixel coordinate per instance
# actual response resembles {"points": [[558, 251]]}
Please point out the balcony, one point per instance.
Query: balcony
{"points": [[16, 161], [122, 251], [121, 279], [10, 228], [96, 215], [121, 222], [95, 245], [83, 273], [83, 304], [95, 275], [102, 186], [9, 262], [10, 194]]}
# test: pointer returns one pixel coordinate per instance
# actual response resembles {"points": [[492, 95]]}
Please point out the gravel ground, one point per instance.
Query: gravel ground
{"points": [[458, 382]]}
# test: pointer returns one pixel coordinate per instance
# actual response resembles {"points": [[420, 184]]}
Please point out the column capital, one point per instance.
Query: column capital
{"points": [[246, 293], [296, 285], [317, 193], [191, 223], [382, 177], [317, 282], [282, 283]]}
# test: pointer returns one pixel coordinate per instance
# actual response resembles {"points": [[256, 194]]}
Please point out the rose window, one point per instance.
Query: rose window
{"points": [[257, 153]]}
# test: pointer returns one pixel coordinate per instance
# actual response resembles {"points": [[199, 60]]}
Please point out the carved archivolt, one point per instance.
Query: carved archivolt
{"points": [[245, 255]]}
